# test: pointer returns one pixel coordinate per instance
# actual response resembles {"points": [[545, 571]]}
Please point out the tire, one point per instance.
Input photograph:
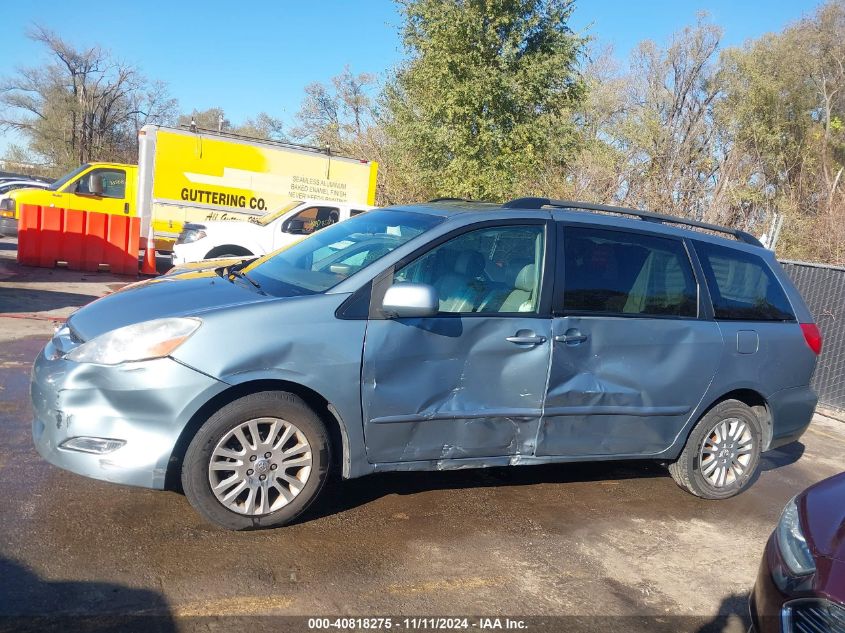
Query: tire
{"points": [[228, 251], [729, 434], [264, 500]]}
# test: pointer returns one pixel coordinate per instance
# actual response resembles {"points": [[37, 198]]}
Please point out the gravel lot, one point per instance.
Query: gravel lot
{"points": [[602, 541]]}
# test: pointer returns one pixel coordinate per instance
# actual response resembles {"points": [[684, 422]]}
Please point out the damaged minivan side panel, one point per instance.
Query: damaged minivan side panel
{"points": [[633, 354], [629, 387]]}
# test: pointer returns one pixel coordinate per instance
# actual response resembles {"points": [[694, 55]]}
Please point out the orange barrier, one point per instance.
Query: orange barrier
{"points": [[80, 240]]}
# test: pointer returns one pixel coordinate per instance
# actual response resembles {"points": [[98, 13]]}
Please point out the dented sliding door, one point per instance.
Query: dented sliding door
{"points": [[634, 349]]}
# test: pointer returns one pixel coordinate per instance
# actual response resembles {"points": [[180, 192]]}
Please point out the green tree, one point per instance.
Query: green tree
{"points": [[485, 97]]}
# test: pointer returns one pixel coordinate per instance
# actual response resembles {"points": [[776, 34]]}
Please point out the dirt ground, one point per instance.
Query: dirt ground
{"points": [[618, 544]]}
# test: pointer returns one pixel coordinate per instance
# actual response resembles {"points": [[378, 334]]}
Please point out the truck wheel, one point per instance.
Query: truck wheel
{"points": [[228, 251], [258, 462], [722, 454]]}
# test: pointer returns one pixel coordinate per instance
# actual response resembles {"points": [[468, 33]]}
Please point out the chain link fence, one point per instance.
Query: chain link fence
{"points": [[823, 289]]}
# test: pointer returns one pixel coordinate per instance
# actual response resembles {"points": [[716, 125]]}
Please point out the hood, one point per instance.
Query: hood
{"points": [[223, 225], [205, 265], [823, 507], [14, 194], [184, 294]]}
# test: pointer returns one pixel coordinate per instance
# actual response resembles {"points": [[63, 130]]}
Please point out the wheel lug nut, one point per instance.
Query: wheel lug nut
{"points": [[267, 454], [273, 466], [252, 458], [262, 477], [250, 471]]}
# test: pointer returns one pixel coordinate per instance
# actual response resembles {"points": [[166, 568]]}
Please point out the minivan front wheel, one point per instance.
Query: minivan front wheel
{"points": [[258, 462], [722, 454]]}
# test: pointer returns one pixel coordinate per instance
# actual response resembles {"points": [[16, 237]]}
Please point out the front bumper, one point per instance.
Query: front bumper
{"points": [[146, 404], [8, 227], [766, 600], [188, 253]]}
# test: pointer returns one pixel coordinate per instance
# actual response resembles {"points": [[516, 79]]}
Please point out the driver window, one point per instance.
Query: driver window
{"points": [[497, 269], [113, 183], [316, 218]]}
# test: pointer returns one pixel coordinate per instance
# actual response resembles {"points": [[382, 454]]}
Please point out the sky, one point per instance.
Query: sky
{"points": [[254, 56]]}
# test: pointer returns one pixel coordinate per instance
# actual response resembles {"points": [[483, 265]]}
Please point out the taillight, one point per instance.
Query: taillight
{"points": [[812, 336]]}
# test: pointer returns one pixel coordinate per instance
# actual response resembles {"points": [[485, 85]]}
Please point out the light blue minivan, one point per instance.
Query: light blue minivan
{"points": [[451, 334]]}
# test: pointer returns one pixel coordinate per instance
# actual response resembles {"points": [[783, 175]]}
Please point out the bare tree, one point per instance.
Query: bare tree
{"points": [[338, 115], [668, 130], [81, 105]]}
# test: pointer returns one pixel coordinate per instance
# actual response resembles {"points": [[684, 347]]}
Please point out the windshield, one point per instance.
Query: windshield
{"points": [[61, 182], [329, 256], [265, 219]]}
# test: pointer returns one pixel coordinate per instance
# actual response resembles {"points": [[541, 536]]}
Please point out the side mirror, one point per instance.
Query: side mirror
{"points": [[407, 300], [341, 269], [95, 184], [294, 226]]}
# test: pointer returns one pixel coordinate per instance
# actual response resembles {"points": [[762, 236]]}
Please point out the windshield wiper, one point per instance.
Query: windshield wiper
{"points": [[237, 272], [230, 272]]}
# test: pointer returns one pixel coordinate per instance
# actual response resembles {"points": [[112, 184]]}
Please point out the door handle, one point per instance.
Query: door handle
{"points": [[526, 340], [571, 338]]}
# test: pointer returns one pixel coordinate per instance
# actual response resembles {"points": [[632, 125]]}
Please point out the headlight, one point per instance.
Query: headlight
{"points": [[141, 341], [7, 204], [791, 542], [191, 235]]}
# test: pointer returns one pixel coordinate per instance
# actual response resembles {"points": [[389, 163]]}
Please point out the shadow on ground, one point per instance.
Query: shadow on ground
{"points": [[783, 456], [732, 616], [30, 603], [15, 300], [341, 496]]}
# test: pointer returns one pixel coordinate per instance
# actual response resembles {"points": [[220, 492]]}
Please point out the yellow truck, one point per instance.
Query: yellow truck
{"points": [[200, 175]]}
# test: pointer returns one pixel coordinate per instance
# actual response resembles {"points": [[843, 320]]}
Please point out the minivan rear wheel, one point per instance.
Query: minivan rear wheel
{"points": [[258, 462], [722, 454]]}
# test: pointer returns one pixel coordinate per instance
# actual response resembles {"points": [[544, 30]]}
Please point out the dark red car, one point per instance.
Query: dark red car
{"points": [[801, 583]]}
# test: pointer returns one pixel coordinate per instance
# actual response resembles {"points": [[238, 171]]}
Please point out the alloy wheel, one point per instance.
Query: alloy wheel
{"points": [[260, 466], [726, 452]]}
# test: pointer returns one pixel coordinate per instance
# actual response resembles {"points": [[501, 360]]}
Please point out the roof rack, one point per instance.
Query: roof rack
{"points": [[453, 200], [648, 216]]}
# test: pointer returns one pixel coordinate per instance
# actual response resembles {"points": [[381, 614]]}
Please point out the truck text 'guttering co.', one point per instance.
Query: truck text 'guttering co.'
{"points": [[222, 199]]}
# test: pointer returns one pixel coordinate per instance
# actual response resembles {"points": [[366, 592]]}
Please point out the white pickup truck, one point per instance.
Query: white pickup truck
{"points": [[261, 235]]}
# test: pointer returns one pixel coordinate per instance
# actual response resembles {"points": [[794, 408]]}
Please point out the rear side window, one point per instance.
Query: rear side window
{"points": [[626, 274], [742, 285]]}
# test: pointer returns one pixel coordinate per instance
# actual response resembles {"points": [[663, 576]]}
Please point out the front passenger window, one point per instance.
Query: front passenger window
{"points": [[313, 219], [491, 270], [112, 183]]}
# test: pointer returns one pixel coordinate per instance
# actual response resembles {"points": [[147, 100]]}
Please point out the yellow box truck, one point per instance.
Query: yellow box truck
{"points": [[200, 175]]}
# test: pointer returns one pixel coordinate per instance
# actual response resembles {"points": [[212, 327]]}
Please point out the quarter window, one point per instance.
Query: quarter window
{"points": [[627, 274], [491, 270], [742, 286]]}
